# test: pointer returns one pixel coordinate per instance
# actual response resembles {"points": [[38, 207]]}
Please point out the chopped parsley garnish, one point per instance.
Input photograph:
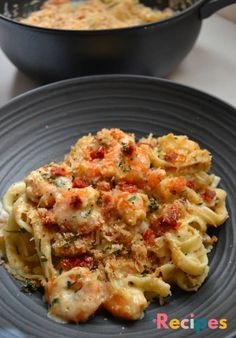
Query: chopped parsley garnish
{"points": [[46, 176], [21, 230], [30, 286], [86, 213], [43, 258], [124, 168], [131, 198], [124, 146], [153, 205], [159, 150], [117, 253], [55, 301], [4, 258], [70, 284], [59, 182], [70, 241]]}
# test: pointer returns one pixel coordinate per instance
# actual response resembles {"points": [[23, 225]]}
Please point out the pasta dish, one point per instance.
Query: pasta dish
{"points": [[114, 225], [94, 14]]}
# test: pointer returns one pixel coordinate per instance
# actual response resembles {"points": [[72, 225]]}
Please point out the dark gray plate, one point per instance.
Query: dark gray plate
{"points": [[40, 126]]}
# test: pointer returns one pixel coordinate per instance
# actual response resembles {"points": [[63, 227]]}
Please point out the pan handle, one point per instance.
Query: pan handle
{"points": [[212, 6]]}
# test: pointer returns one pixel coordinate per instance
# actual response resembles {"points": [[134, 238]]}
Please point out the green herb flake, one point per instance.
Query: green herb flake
{"points": [[55, 301], [46, 176], [70, 241], [70, 284], [86, 213], [124, 168], [30, 286], [4, 259], [21, 230], [159, 150], [153, 205], [117, 253], [124, 146], [59, 182], [131, 198], [43, 258]]}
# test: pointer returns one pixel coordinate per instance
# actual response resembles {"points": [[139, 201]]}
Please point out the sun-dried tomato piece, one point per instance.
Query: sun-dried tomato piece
{"points": [[167, 221], [171, 156], [75, 201], [83, 261], [98, 154], [104, 186], [126, 186], [208, 195], [149, 236], [79, 183], [58, 171], [190, 184]]}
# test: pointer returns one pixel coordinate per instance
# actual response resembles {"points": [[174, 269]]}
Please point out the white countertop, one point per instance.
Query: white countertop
{"points": [[210, 66]]}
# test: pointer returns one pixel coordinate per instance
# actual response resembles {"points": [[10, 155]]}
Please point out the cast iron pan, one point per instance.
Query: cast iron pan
{"points": [[153, 49], [40, 126]]}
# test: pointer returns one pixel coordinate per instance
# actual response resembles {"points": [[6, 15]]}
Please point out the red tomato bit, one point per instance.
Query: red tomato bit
{"points": [[75, 201], [190, 184], [208, 195], [79, 183], [171, 157], [48, 220], [149, 236], [125, 186], [98, 154], [104, 186], [58, 171], [167, 221], [83, 261], [128, 149]]}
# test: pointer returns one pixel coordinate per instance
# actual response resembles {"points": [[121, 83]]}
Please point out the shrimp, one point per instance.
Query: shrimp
{"points": [[43, 184], [125, 302], [135, 166], [131, 207], [79, 152], [75, 295], [116, 141], [75, 211]]}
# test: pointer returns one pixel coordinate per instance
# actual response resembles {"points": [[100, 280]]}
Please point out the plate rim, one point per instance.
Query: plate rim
{"points": [[126, 77]]}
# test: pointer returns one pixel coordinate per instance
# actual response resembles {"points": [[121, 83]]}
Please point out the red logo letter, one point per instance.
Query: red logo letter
{"points": [[161, 321]]}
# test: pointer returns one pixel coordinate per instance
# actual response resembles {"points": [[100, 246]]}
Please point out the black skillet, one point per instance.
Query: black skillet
{"points": [[52, 54]]}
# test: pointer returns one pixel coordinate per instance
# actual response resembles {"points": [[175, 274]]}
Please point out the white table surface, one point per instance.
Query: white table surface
{"points": [[210, 66]]}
